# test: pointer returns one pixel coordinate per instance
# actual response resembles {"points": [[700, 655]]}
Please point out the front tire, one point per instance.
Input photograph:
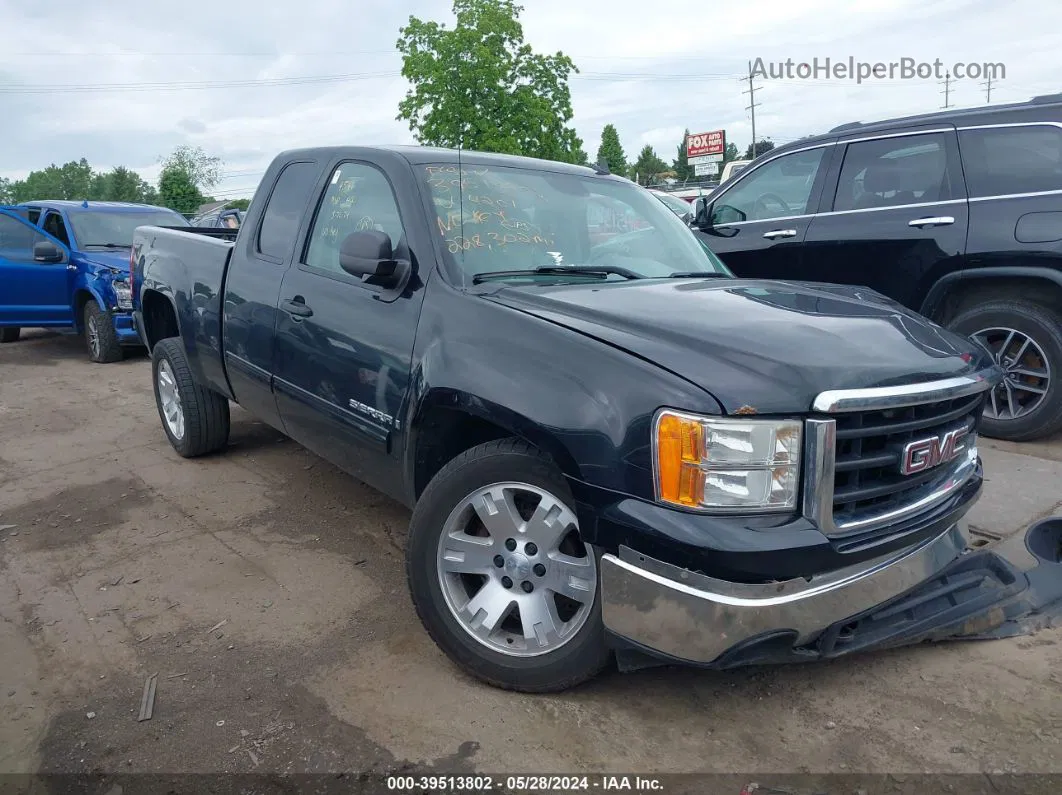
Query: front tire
{"points": [[1025, 339], [499, 575], [195, 419], [100, 336], [10, 334]]}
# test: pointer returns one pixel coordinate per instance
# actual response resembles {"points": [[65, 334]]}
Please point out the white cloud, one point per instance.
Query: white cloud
{"points": [[692, 56]]}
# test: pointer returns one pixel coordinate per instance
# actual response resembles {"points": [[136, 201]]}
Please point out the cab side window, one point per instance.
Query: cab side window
{"points": [[892, 172], [280, 221], [54, 226], [776, 189], [16, 239], [358, 198]]}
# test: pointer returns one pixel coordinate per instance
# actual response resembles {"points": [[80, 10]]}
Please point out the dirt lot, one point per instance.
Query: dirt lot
{"points": [[124, 556]]}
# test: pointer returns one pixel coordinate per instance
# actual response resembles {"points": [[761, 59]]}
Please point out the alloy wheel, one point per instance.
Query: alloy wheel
{"points": [[1027, 373], [170, 400], [513, 570]]}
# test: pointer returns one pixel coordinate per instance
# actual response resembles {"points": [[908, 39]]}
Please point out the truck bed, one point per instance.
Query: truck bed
{"points": [[194, 259]]}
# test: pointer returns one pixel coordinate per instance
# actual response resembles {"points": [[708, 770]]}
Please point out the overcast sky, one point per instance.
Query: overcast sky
{"points": [[332, 74]]}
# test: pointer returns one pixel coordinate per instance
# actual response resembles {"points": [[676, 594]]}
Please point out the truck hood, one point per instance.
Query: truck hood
{"points": [[758, 346], [116, 260]]}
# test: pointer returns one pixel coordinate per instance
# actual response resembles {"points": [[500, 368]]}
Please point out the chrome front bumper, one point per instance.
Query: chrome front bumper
{"points": [[694, 618]]}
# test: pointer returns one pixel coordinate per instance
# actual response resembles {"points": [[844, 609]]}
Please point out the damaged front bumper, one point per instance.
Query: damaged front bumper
{"points": [[658, 613]]}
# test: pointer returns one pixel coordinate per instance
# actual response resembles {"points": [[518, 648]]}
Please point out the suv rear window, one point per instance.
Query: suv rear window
{"points": [[890, 172], [1004, 160]]}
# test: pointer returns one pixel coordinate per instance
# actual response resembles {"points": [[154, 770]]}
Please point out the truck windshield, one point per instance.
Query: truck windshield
{"points": [[102, 229], [495, 219]]}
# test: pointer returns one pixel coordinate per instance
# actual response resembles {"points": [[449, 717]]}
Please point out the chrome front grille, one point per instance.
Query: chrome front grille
{"points": [[854, 483]]}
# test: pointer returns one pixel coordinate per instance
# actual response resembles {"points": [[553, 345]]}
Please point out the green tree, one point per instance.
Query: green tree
{"points": [[648, 166], [611, 152], [766, 145], [683, 170], [202, 169], [5, 191], [240, 204], [480, 86], [71, 180], [731, 153], [121, 184], [178, 191]]}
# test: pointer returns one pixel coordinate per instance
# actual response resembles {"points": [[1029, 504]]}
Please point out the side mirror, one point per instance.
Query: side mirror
{"points": [[700, 215], [46, 251], [369, 254]]}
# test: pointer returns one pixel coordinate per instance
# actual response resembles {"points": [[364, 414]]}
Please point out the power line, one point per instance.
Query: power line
{"points": [[95, 88], [988, 89]]}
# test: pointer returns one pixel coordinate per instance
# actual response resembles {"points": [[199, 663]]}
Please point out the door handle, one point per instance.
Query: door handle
{"points": [[296, 307], [779, 233], [937, 220]]}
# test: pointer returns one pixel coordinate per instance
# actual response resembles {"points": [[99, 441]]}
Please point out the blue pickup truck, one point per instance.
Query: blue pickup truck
{"points": [[65, 264]]}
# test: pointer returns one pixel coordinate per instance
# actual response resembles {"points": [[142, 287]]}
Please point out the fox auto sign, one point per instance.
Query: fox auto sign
{"points": [[709, 143]]}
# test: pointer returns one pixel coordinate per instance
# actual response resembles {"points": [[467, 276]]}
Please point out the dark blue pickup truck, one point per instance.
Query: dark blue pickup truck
{"points": [[65, 264], [611, 446]]}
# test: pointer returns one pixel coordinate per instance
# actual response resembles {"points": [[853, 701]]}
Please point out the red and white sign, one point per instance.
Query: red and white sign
{"points": [[709, 143]]}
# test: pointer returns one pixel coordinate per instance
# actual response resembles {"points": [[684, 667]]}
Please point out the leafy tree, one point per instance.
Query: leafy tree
{"points": [[766, 145], [611, 152], [240, 204], [71, 180], [683, 170], [480, 86], [202, 169], [5, 191], [648, 166], [731, 153], [122, 185], [178, 191]]}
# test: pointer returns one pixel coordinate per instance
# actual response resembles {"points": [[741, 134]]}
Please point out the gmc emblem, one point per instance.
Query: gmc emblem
{"points": [[934, 451]]}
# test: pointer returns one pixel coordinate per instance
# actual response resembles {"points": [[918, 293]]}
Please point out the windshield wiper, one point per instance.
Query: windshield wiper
{"points": [[592, 271], [107, 245], [699, 275]]}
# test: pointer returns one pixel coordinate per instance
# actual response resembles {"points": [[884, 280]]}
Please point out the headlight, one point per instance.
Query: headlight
{"points": [[123, 293], [726, 464]]}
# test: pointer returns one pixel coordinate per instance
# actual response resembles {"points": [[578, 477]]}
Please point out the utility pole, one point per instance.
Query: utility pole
{"points": [[988, 90], [752, 107], [946, 82]]}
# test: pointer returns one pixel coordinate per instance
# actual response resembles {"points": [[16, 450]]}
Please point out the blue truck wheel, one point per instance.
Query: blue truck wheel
{"points": [[102, 341]]}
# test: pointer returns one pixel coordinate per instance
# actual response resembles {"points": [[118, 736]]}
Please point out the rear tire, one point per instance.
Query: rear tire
{"points": [[1026, 340], [9, 334], [100, 336], [195, 419], [542, 605]]}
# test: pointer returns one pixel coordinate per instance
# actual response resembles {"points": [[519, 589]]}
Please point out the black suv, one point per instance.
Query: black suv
{"points": [[957, 215]]}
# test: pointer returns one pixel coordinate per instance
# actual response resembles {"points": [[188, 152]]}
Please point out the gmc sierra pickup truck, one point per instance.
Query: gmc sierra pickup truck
{"points": [[610, 445]]}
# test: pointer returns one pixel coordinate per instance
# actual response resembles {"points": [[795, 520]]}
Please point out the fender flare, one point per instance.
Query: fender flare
{"points": [[83, 286], [935, 297], [169, 298]]}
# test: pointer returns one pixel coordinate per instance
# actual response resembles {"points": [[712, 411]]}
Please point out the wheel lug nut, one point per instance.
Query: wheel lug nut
{"points": [[510, 544], [506, 582], [499, 561], [540, 570], [531, 549], [527, 586]]}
